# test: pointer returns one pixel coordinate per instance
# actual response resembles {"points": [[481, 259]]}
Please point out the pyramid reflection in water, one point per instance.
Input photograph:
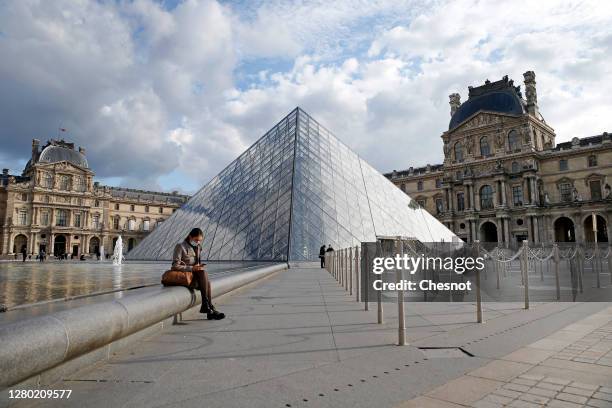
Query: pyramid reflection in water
{"points": [[297, 188]]}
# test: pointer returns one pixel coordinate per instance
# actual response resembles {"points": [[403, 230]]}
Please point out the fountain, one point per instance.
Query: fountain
{"points": [[118, 252]]}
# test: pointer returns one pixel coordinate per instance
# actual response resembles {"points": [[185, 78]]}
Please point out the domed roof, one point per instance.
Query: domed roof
{"points": [[55, 153], [499, 96]]}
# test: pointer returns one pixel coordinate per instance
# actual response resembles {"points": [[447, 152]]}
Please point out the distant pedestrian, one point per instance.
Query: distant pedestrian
{"points": [[41, 255], [24, 253], [322, 256]]}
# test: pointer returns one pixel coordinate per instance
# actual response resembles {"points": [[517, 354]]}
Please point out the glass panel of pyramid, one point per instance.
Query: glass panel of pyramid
{"points": [[297, 188]]}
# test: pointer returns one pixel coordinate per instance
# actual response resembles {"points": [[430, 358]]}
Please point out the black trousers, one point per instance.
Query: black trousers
{"points": [[322, 261]]}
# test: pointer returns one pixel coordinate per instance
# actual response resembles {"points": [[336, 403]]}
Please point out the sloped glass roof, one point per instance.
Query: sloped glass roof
{"points": [[295, 189]]}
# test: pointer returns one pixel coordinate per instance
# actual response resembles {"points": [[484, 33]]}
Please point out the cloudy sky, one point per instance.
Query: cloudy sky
{"points": [[164, 94]]}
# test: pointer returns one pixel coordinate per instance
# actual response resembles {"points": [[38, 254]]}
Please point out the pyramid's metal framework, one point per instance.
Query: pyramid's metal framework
{"points": [[298, 187]]}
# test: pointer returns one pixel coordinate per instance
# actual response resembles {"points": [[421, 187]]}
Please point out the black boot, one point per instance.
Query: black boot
{"points": [[214, 314], [205, 307]]}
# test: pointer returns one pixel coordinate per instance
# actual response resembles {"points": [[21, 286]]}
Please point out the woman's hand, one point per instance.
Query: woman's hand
{"points": [[197, 268]]}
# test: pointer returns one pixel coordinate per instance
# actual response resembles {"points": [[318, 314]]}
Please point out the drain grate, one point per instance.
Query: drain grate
{"points": [[445, 352]]}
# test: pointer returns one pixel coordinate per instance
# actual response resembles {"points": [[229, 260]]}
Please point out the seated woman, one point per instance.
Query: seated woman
{"points": [[187, 258]]}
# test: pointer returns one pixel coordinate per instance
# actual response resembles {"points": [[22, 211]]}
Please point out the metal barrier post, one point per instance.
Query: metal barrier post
{"points": [[525, 271], [556, 261], [580, 257], [595, 263], [357, 280], [365, 257], [351, 271], [379, 292], [478, 298], [347, 268], [401, 326]]}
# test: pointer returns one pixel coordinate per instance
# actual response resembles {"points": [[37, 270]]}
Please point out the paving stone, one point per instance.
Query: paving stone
{"points": [[599, 403], [516, 387], [552, 387], [578, 399], [523, 404], [542, 392], [426, 402], [563, 404], [554, 380], [584, 386], [523, 381], [603, 396], [465, 390], [607, 390], [578, 391], [497, 399], [536, 399], [507, 393], [485, 404], [532, 377]]}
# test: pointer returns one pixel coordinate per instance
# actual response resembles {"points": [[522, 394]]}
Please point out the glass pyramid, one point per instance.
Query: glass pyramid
{"points": [[297, 188]]}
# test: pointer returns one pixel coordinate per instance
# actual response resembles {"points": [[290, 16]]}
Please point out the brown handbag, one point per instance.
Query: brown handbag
{"points": [[177, 278]]}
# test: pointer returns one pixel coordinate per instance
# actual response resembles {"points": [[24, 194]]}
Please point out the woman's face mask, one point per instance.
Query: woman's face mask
{"points": [[195, 241]]}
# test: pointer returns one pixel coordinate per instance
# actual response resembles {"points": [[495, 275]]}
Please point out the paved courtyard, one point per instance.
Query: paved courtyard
{"points": [[297, 339]]}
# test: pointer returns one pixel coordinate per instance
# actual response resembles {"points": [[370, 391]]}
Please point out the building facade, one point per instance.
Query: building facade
{"points": [[56, 206], [504, 179]]}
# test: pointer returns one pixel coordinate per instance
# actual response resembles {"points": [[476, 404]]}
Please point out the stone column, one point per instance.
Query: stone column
{"points": [[474, 231], [451, 200], [536, 232], [503, 192], [500, 222], [476, 200], [507, 231], [85, 244], [534, 192], [529, 229], [51, 249], [472, 198]]}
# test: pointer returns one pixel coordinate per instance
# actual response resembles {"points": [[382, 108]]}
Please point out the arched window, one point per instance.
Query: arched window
{"points": [[48, 180], [64, 183], [420, 185], [486, 197], [514, 141], [458, 152], [79, 184], [485, 149], [515, 167]]}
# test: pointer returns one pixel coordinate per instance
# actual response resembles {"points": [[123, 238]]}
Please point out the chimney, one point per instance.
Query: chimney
{"points": [[455, 102], [35, 152], [5, 172], [82, 150], [530, 92]]}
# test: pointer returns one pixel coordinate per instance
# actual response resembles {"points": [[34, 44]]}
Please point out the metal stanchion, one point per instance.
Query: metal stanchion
{"points": [[401, 326], [478, 299], [365, 257], [379, 292], [357, 277], [347, 266], [580, 258], [556, 261], [351, 271], [525, 271], [595, 259]]}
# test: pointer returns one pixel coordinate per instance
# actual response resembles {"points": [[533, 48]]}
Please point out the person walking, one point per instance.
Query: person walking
{"points": [[322, 256], [41, 255], [24, 253], [186, 258]]}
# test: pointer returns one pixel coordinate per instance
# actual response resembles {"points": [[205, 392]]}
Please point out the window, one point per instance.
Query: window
{"points": [[79, 184], [420, 186], [77, 220], [439, 206], [161, 210], [116, 223], [64, 183], [592, 161], [515, 167], [458, 152], [62, 218], [132, 207], [459, 175], [132, 225], [460, 202], [403, 187], [24, 197], [517, 196], [117, 206], [95, 222], [514, 141], [97, 203], [565, 191], [23, 217], [47, 180], [421, 203], [486, 197], [438, 183], [562, 165], [146, 208], [44, 218], [145, 225], [595, 186], [485, 149]]}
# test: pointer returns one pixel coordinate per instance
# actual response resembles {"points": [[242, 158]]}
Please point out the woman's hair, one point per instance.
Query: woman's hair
{"points": [[196, 232]]}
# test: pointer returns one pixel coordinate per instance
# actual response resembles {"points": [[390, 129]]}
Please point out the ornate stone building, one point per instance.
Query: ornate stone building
{"points": [[504, 179], [55, 205]]}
